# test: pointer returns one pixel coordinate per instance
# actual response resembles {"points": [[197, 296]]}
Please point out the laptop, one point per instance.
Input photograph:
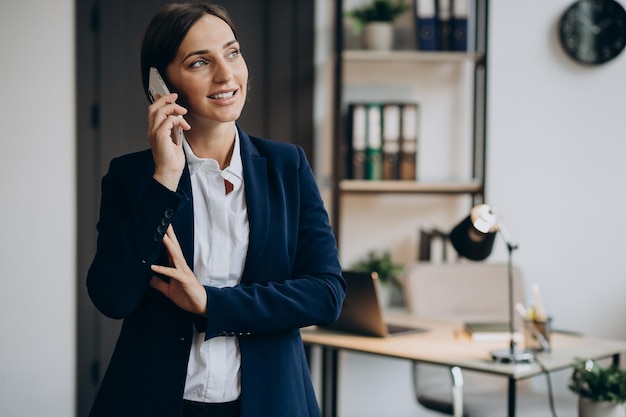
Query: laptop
{"points": [[362, 312]]}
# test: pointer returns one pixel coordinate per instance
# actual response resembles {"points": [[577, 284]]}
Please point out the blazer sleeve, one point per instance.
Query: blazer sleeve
{"points": [[135, 211], [298, 284]]}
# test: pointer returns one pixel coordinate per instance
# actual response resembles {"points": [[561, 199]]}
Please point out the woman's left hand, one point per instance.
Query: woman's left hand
{"points": [[184, 289]]}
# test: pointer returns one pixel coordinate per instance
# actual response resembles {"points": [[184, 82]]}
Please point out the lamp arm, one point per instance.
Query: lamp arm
{"points": [[503, 232], [511, 247]]}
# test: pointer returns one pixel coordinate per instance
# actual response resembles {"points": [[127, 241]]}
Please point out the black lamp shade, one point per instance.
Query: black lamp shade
{"points": [[471, 243]]}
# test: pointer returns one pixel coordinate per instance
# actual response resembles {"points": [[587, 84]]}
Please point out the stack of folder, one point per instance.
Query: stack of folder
{"points": [[382, 141]]}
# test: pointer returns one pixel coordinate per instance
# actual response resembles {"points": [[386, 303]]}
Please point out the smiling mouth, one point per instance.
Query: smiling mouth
{"points": [[222, 96]]}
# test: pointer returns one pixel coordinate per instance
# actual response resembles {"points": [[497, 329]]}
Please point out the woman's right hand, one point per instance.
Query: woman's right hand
{"points": [[183, 287], [169, 157]]}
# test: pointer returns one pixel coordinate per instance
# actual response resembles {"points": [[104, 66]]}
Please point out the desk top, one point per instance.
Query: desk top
{"points": [[446, 344]]}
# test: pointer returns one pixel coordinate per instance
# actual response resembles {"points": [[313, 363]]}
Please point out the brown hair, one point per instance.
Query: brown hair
{"points": [[167, 29]]}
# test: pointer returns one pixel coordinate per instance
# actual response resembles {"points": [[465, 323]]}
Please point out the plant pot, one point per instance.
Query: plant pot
{"points": [[590, 408], [390, 295], [378, 36]]}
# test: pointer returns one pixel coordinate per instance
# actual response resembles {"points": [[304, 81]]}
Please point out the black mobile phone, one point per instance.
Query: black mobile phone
{"points": [[156, 85]]}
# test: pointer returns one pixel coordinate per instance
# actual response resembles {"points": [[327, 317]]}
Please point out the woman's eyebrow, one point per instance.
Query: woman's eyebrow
{"points": [[206, 51]]}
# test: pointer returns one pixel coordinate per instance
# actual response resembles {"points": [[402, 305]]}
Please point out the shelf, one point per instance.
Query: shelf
{"points": [[409, 56], [411, 187], [450, 88]]}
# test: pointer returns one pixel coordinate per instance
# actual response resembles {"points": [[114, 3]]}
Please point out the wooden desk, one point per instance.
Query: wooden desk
{"points": [[445, 344]]}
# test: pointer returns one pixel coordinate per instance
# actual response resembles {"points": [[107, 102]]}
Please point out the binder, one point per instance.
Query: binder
{"points": [[373, 146], [444, 24], [426, 24], [460, 13], [358, 124], [408, 143], [391, 142]]}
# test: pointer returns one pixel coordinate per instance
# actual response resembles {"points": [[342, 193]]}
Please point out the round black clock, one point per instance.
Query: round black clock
{"points": [[593, 32]]}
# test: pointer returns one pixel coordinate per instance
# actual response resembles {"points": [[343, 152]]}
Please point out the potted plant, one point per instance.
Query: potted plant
{"points": [[388, 274], [376, 19], [601, 389]]}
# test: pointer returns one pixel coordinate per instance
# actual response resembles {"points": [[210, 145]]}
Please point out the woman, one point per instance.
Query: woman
{"points": [[215, 251]]}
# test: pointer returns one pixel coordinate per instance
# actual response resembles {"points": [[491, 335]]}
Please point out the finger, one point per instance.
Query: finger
{"points": [[159, 285], [168, 104], [165, 272], [172, 235], [173, 247], [167, 98], [169, 272], [162, 102], [168, 116], [172, 109], [182, 122], [165, 129], [164, 107]]}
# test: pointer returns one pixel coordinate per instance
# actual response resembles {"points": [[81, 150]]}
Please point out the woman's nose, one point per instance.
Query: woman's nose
{"points": [[223, 71]]}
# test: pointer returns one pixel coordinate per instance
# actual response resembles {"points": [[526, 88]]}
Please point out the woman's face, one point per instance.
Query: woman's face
{"points": [[209, 73]]}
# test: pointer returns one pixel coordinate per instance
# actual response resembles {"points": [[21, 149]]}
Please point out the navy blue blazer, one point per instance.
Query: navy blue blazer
{"points": [[291, 279]]}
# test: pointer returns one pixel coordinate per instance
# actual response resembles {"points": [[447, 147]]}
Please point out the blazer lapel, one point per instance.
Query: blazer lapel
{"points": [[183, 221], [257, 201]]}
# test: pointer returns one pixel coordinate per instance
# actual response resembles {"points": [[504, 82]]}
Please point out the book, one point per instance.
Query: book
{"points": [[460, 13], [444, 24], [490, 332], [408, 142], [426, 24], [373, 143], [391, 141], [357, 116]]}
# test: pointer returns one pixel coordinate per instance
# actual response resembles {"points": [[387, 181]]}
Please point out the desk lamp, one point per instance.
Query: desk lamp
{"points": [[473, 239]]}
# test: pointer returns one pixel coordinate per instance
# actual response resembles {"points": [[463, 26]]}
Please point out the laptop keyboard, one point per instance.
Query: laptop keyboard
{"points": [[395, 329]]}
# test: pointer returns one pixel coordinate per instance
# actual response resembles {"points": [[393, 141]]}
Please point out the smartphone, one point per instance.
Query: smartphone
{"points": [[156, 85]]}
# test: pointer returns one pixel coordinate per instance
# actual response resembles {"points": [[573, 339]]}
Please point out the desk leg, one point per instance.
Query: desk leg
{"points": [[330, 359], [512, 395]]}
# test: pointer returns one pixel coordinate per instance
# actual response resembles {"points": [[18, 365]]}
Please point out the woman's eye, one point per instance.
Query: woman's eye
{"points": [[198, 64], [234, 53]]}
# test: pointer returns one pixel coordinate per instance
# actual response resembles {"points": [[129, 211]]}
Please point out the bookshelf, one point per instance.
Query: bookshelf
{"points": [[359, 56], [450, 88], [409, 187]]}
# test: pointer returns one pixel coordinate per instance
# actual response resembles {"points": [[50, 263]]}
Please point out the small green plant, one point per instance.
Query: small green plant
{"points": [[598, 383], [378, 11], [381, 263]]}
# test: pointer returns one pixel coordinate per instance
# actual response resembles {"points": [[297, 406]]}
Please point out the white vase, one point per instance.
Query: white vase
{"points": [[589, 408], [390, 296], [378, 36]]}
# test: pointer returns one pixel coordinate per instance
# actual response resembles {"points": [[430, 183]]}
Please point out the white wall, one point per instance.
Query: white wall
{"points": [[37, 177], [555, 165]]}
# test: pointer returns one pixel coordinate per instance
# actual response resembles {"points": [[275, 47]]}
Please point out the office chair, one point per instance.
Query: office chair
{"points": [[459, 291]]}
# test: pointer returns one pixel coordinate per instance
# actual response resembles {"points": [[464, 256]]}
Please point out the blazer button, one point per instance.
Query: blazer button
{"points": [[157, 237], [168, 213]]}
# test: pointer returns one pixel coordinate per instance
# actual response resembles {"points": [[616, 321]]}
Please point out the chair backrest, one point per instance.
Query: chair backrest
{"points": [[461, 291]]}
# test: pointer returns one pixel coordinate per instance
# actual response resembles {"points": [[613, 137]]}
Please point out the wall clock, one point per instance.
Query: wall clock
{"points": [[593, 32]]}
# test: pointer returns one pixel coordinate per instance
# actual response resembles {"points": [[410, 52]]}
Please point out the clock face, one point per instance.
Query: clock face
{"points": [[593, 31]]}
